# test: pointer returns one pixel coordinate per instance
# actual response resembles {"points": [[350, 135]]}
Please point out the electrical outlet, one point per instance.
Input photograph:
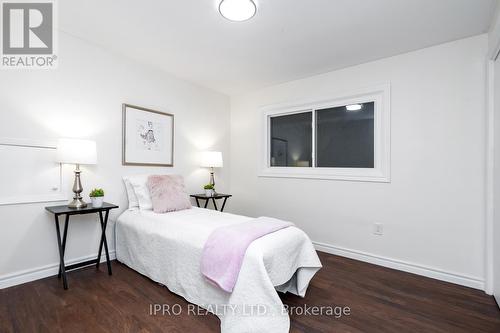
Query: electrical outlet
{"points": [[378, 229]]}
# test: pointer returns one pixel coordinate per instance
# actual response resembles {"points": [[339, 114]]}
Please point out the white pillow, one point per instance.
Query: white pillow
{"points": [[133, 203], [141, 191]]}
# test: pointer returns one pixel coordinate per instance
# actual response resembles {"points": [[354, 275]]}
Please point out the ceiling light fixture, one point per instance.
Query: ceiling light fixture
{"points": [[354, 107], [237, 10]]}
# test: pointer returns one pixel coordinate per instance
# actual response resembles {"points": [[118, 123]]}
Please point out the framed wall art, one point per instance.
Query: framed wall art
{"points": [[148, 137]]}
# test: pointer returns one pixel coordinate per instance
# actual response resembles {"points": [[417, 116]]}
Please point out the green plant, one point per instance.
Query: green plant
{"points": [[97, 192], [208, 187]]}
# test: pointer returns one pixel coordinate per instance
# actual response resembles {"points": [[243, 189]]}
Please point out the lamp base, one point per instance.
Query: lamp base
{"points": [[77, 189], [77, 203], [212, 178]]}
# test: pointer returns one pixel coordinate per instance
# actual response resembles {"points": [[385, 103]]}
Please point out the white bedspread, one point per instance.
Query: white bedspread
{"points": [[167, 248]]}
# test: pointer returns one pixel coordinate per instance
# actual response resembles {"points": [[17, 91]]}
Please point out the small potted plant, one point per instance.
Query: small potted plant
{"points": [[209, 190], [97, 196]]}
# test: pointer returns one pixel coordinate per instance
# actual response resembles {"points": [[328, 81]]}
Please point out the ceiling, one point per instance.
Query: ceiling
{"points": [[286, 40]]}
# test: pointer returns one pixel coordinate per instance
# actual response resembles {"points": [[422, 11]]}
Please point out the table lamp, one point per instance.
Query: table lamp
{"points": [[74, 151], [211, 159]]}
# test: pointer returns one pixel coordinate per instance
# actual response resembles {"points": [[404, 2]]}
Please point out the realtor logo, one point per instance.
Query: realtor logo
{"points": [[28, 34]]}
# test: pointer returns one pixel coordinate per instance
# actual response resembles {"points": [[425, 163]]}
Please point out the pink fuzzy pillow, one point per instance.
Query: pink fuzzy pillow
{"points": [[168, 193]]}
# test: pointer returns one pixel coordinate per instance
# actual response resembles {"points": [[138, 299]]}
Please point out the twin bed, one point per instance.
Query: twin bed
{"points": [[168, 248]]}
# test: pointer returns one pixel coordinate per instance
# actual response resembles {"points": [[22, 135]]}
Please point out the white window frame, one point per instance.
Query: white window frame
{"points": [[381, 171]]}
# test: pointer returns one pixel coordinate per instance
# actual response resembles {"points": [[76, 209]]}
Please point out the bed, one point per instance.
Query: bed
{"points": [[167, 248]]}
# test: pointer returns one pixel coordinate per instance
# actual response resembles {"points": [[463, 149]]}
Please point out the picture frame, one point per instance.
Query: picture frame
{"points": [[147, 137]]}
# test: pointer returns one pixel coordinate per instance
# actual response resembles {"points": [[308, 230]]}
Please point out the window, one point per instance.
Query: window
{"points": [[345, 138], [342, 138], [291, 140]]}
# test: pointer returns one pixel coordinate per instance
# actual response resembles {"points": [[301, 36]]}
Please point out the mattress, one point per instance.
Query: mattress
{"points": [[167, 248]]}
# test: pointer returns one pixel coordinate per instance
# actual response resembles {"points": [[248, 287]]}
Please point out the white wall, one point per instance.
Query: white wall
{"points": [[433, 210], [83, 98]]}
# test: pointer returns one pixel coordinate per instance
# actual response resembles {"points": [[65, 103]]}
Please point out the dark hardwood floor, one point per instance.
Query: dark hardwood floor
{"points": [[380, 300]]}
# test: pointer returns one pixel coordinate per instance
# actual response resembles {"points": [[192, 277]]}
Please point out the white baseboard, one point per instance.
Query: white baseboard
{"points": [[51, 270], [409, 267], [33, 274]]}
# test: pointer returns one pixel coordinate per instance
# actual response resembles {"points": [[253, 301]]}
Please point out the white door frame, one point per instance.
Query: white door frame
{"points": [[490, 157], [493, 56]]}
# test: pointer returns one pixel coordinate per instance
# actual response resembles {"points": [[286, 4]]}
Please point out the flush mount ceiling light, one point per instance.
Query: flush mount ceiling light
{"points": [[237, 10], [354, 107]]}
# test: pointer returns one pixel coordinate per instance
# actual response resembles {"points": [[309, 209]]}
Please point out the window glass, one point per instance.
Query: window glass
{"points": [[291, 140], [345, 136]]}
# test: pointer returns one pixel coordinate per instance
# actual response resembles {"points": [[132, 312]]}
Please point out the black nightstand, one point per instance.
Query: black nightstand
{"points": [[214, 197], [65, 210]]}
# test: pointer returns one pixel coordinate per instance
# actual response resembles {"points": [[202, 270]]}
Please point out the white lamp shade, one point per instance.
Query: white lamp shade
{"points": [[211, 159], [75, 151]]}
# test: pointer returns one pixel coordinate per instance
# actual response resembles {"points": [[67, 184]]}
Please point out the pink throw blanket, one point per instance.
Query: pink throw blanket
{"points": [[225, 249]]}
